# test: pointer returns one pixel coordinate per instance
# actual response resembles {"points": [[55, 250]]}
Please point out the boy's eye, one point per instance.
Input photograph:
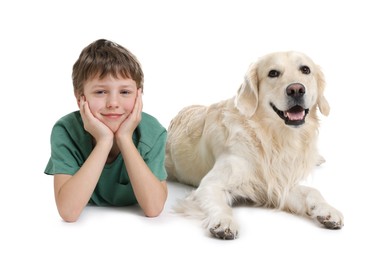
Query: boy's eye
{"points": [[100, 92], [125, 92]]}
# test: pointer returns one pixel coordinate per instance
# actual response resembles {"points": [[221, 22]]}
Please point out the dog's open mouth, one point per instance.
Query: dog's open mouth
{"points": [[294, 116]]}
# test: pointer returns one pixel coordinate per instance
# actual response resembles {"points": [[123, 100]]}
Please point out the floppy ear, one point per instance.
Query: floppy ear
{"points": [[323, 105], [246, 100]]}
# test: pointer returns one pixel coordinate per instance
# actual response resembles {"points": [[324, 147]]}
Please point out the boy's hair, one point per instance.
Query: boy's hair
{"points": [[102, 58]]}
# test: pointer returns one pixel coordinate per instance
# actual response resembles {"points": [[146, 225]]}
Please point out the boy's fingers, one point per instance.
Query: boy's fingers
{"points": [[81, 105], [139, 101], [84, 107]]}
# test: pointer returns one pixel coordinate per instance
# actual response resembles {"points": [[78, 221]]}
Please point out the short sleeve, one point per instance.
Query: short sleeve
{"points": [[150, 139], [155, 158], [70, 146]]}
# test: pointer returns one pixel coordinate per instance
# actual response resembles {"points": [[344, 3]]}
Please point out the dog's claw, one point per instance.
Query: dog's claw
{"points": [[226, 234], [329, 223]]}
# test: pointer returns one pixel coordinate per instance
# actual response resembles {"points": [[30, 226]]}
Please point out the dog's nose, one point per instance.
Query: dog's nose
{"points": [[295, 90]]}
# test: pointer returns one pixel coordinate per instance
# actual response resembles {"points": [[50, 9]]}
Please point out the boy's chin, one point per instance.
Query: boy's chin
{"points": [[114, 128]]}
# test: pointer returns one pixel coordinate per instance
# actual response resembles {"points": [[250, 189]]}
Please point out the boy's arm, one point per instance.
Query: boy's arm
{"points": [[150, 192], [72, 193]]}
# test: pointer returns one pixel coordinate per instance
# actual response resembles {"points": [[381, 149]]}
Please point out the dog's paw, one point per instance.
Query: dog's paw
{"points": [[329, 217], [320, 160], [227, 230]]}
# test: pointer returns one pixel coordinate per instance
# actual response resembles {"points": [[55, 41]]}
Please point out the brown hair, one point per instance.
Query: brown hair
{"points": [[102, 58]]}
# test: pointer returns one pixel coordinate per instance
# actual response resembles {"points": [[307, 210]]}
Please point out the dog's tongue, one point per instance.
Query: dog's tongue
{"points": [[295, 113]]}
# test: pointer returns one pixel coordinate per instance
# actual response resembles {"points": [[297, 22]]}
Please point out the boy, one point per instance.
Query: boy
{"points": [[109, 152]]}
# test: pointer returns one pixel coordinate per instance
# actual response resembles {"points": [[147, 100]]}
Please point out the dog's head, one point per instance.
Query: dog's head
{"points": [[286, 84]]}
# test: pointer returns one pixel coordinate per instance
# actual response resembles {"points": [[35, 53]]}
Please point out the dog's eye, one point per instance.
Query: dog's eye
{"points": [[305, 69], [274, 73]]}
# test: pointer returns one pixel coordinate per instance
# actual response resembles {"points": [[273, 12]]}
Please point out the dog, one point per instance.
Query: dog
{"points": [[254, 147]]}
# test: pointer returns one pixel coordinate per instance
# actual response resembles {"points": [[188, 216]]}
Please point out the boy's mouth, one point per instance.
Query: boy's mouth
{"points": [[112, 115]]}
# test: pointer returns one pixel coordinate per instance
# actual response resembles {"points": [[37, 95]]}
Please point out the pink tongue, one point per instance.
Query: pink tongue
{"points": [[296, 116]]}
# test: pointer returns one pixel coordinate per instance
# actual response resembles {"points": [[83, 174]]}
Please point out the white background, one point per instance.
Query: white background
{"points": [[192, 52]]}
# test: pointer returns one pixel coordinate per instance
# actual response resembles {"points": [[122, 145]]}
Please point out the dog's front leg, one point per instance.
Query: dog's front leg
{"points": [[308, 201], [215, 203], [215, 196]]}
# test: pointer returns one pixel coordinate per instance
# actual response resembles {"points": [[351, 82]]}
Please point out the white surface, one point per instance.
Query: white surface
{"points": [[191, 52]]}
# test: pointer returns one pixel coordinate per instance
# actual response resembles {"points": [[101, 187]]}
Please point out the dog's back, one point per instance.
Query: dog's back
{"points": [[184, 135]]}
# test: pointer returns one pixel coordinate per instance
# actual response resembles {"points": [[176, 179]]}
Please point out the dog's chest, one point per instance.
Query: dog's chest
{"points": [[278, 154]]}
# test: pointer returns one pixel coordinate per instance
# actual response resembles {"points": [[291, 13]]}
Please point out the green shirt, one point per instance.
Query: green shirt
{"points": [[71, 145]]}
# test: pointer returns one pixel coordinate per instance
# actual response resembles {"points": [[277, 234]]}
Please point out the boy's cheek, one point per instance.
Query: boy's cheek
{"points": [[93, 109], [131, 106]]}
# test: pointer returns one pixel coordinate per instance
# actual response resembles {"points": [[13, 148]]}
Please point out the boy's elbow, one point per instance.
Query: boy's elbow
{"points": [[154, 208], [152, 214], [154, 211], [69, 216], [69, 219]]}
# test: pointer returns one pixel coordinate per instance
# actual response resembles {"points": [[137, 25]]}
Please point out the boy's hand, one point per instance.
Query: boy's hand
{"points": [[127, 127], [92, 125]]}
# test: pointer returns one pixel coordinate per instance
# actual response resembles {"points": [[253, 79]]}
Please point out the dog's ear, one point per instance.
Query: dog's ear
{"points": [[246, 100], [323, 105]]}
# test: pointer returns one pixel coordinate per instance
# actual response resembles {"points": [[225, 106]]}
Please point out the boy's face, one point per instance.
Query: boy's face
{"points": [[110, 100]]}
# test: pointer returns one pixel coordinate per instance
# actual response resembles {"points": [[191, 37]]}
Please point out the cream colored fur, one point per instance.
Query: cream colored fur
{"points": [[239, 149]]}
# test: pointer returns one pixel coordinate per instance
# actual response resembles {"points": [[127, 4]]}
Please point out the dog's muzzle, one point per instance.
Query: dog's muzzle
{"points": [[294, 116]]}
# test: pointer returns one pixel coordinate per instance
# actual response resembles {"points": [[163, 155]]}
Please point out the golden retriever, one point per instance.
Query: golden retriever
{"points": [[254, 147]]}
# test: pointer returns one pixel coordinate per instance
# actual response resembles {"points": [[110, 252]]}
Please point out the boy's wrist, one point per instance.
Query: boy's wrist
{"points": [[105, 143], [125, 140]]}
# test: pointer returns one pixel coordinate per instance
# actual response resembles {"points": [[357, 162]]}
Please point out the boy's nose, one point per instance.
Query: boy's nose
{"points": [[112, 101]]}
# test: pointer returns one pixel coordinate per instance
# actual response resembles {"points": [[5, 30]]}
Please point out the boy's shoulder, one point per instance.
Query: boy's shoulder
{"points": [[71, 125], [148, 120], [70, 120], [68, 132], [150, 129]]}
